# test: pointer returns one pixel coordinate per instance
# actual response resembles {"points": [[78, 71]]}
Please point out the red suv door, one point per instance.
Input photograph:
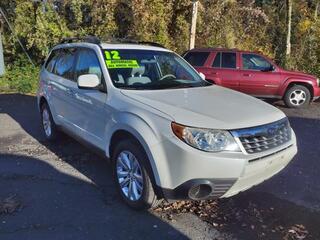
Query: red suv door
{"points": [[224, 69], [259, 76]]}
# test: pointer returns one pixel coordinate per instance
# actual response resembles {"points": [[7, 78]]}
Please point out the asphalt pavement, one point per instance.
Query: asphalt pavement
{"points": [[65, 191]]}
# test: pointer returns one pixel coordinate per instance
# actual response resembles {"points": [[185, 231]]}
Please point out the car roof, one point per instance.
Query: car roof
{"points": [[221, 49], [213, 49]]}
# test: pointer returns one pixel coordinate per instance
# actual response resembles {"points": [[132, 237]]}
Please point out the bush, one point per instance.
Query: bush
{"points": [[21, 77]]}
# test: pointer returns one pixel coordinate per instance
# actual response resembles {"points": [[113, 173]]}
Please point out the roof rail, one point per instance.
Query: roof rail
{"points": [[133, 41], [96, 40], [88, 39]]}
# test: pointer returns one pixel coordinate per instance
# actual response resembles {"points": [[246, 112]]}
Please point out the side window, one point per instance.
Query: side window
{"points": [[217, 61], [88, 63], [196, 58], [229, 60], [52, 60], [255, 62], [65, 62]]}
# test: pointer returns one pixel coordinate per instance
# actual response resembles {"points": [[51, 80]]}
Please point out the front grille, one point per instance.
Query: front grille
{"points": [[266, 137]]}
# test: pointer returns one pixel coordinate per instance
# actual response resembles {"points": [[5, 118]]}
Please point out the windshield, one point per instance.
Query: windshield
{"points": [[145, 69]]}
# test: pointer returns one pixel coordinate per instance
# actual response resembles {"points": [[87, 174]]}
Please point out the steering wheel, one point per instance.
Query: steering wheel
{"points": [[167, 76]]}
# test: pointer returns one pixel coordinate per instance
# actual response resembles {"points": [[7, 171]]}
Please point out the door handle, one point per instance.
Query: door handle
{"points": [[247, 75], [214, 73], [69, 91]]}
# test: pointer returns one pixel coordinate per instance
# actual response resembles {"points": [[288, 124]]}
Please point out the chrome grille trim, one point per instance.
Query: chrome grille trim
{"points": [[263, 138]]}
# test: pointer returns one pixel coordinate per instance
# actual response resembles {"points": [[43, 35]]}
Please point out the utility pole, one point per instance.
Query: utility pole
{"points": [[193, 24], [2, 70], [289, 7]]}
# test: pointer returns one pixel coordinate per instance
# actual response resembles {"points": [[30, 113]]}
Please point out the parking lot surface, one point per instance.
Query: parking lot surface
{"points": [[65, 191]]}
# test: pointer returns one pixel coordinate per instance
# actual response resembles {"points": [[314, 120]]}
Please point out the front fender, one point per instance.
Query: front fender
{"points": [[289, 81], [144, 131]]}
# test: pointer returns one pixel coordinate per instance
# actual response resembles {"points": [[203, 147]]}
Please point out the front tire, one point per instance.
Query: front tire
{"points": [[132, 176], [297, 96]]}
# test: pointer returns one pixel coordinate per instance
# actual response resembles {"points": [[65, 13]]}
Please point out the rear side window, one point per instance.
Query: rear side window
{"points": [[65, 62], [196, 58], [52, 60], [229, 60], [217, 61], [225, 60], [88, 63]]}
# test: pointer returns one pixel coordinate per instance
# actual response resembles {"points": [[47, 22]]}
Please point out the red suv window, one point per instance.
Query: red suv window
{"points": [[225, 60], [196, 58]]}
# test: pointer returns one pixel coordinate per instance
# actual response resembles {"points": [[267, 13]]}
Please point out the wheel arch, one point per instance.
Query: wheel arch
{"points": [[121, 134], [291, 82], [146, 129], [42, 100]]}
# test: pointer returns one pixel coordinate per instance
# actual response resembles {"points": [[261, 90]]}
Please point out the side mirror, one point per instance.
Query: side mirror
{"points": [[269, 69], [202, 76], [88, 81]]}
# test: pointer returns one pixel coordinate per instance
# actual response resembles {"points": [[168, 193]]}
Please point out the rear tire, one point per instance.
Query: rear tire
{"points": [[49, 127], [132, 177], [297, 96]]}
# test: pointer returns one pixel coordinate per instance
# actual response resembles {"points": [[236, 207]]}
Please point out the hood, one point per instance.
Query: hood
{"points": [[208, 107], [298, 74]]}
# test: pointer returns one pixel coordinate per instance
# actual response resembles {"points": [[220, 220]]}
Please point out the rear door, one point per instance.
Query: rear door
{"points": [[62, 85], [258, 76], [224, 69]]}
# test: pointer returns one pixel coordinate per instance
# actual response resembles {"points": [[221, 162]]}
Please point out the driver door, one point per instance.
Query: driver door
{"points": [[258, 76], [91, 112]]}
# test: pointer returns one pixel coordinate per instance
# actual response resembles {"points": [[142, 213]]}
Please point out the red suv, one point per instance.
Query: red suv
{"points": [[254, 74]]}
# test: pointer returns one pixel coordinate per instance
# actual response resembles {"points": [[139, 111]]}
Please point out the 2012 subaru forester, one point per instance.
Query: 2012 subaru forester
{"points": [[167, 132]]}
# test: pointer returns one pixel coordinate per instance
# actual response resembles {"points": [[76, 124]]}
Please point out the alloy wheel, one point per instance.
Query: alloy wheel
{"points": [[298, 97], [129, 175]]}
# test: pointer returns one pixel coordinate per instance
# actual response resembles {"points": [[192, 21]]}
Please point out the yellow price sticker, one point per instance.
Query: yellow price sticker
{"points": [[122, 64]]}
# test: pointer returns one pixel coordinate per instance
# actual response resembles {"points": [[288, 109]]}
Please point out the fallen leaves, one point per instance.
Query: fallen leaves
{"points": [[261, 221], [9, 205], [296, 232]]}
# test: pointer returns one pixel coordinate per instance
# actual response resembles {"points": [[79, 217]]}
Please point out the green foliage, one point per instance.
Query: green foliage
{"points": [[21, 76], [257, 25]]}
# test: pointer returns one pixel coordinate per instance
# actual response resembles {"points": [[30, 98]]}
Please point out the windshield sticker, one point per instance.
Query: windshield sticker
{"points": [[122, 64]]}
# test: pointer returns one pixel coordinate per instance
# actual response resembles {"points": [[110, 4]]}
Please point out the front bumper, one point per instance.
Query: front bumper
{"points": [[213, 175], [316, 93]]}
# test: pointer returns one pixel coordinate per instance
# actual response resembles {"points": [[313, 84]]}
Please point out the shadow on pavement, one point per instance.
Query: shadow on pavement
{"points": [[60, 203]]}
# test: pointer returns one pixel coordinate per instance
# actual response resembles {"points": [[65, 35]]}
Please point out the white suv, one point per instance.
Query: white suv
{"points": [[167, 132]]}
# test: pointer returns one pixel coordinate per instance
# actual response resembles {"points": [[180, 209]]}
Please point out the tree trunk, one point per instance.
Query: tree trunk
{"points": [[289, 6], [316, 11]]}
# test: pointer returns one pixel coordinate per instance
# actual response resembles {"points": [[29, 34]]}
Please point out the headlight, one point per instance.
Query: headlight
{"points": [[208, 140]]}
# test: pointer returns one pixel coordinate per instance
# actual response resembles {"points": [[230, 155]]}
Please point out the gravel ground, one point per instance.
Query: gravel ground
{"points": [[64, 191]]}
